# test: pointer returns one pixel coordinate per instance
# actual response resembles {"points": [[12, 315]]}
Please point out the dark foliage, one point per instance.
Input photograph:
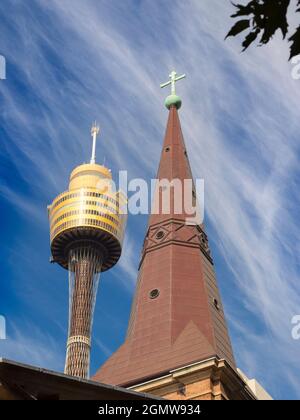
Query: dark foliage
{"points": [[263, 18]]}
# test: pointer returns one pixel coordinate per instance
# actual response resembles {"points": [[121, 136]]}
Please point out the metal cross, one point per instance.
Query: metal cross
{"points": [[95, 130], [173, 79]]}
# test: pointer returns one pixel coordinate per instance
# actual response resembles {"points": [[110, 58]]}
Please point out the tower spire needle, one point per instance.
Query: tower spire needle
{"points": [[95, 130]]}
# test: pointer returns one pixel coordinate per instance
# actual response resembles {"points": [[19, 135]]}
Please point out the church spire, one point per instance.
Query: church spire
{"points": [[177, 316]]}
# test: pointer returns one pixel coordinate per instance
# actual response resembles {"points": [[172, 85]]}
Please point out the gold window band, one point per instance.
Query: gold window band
{"points": [[84, 193], [87, 211], [87, 223], [99, 204]]}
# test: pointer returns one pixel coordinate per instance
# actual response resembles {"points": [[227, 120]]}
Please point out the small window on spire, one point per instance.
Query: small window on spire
{"points": [[154, 294], [216, 304], [160, 234], [167, 149]]}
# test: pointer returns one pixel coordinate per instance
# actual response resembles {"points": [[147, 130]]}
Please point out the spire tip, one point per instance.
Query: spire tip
{"points": [[173, 99], [95, 130]]}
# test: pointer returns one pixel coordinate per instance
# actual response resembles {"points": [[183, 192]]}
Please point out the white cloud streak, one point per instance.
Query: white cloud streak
{"points": [[32, 346]]}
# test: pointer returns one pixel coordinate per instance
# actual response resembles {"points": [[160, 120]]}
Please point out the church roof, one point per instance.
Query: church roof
{"points": [[22, 382]]}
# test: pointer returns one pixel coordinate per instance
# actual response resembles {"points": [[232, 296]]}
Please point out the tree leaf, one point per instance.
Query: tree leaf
{"points": [[295, 47], [265, 17], [244, 10], [251, 37], [239, 27], [273, 17]]}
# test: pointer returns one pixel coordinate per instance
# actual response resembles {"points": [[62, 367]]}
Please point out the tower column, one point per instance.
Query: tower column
{"points": [[85, 263]]}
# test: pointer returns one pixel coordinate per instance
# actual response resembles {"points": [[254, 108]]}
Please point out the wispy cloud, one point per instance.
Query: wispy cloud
{"points": [[23, 204], [128, 262], [32, 346], [104, 349]]}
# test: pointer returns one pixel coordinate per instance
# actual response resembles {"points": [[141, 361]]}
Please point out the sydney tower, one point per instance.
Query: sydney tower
{"points": [[86, 232]]}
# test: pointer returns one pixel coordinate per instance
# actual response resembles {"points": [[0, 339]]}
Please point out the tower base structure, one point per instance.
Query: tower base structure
{"points": [[211, 379]]}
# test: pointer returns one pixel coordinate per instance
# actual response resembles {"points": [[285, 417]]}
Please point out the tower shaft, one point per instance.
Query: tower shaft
{"points": [[84, 271]]}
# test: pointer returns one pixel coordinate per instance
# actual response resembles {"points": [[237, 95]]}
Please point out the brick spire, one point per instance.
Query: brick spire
{"points": [[177, 316]]}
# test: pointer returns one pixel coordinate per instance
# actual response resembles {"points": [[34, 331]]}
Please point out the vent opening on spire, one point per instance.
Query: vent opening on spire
{"points": [[154, 294]]}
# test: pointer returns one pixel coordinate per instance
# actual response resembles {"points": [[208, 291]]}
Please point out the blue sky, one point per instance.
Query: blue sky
{"points": [[70, 62]]}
